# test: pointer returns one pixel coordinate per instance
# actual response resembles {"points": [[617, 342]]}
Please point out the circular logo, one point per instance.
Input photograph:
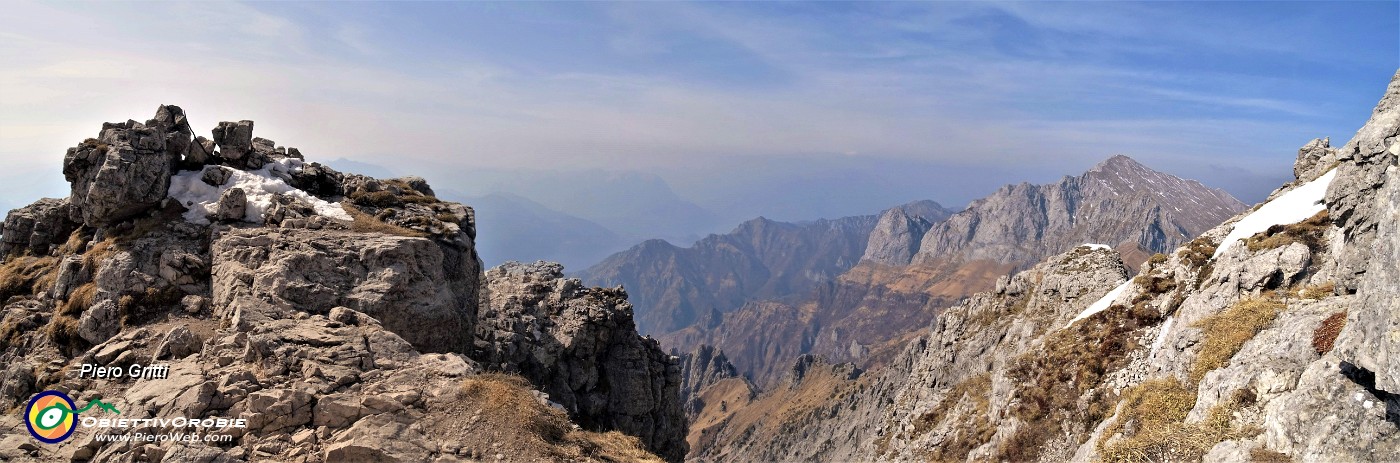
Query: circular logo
{"points": [[50, 417]]}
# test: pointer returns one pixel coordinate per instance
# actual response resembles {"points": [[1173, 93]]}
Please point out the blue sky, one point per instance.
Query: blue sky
{"points": [[1223, 92]]}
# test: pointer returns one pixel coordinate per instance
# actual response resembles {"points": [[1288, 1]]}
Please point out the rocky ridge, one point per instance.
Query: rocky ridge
{"points": [[1261, 351], [869, 313], [346, 318]]}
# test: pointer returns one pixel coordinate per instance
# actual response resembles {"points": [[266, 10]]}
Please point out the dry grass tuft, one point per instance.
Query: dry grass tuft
{"points": [[1310, 232], [1226, 332], [142, 307], [396, 194], [26, 275], [79, 300], [1319, 291], [1157, 259], [365, 223], [1326, 334], [507, 403], [63, 331], [1056, 383], [1154, 415]]}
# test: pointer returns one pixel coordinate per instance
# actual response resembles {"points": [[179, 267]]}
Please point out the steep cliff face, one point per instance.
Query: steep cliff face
{"points": [[1258, 340], [895, 239], [576, 343], [760, 259], [337, 314]]}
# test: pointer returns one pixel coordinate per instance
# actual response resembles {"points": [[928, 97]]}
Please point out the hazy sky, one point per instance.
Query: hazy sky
{"points": [[1225, 92]]}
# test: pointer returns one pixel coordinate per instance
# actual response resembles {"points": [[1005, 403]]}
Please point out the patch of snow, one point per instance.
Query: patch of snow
{"points": [[1161, 335], [1292, 207], [260, 185], [1102, 304], [1097, 246]]}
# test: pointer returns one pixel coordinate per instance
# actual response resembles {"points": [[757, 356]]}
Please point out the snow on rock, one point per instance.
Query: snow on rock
{"points": [[1292, 207], [1161, 335], [260, 185], [1101, 304], [1097, 246]]}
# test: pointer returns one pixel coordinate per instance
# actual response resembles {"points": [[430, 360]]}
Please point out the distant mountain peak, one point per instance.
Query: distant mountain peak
{"points": [[1119, 163]]}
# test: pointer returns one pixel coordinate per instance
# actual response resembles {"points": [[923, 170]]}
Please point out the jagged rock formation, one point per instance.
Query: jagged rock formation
{"points": [[1256, 349], [337, 313], [761, 258], [564, 337], [868, 314], [1118, 201], [700, 369], [895, 239]]}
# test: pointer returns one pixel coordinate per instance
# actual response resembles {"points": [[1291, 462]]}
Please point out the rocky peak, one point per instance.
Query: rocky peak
{"points": [[327, 309], [1117, 202]]}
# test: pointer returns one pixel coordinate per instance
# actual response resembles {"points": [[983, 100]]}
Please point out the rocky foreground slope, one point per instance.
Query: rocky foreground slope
{"points": [[344, 318], [1271, 337]]}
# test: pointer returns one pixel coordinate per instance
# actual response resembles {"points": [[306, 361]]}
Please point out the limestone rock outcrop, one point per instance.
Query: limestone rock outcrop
{"points": [[895, 239], [574, 343], [36, 229], [120, 174], [411, 284]]}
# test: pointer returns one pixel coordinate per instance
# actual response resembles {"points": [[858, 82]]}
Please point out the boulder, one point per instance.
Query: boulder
{"points": [[100, 322], [178, 343], [235, 140], [37, 228], [233, 205], [120, 175]]}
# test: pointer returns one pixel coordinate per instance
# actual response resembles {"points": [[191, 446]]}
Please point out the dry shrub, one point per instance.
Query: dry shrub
{"points": [[365, 223], [1319, 291], [26, 275], [1310, 232], [388, 198], [1155, 284], [1226, 332], [1326, 334], [1157, 259]]}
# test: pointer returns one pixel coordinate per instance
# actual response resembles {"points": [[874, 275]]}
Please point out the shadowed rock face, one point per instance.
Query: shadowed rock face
{"points": [[577, 345]]}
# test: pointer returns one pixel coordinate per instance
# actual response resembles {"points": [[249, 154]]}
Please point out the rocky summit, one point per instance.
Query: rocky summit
{"points": [[1269, 337], [332, 316]]}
